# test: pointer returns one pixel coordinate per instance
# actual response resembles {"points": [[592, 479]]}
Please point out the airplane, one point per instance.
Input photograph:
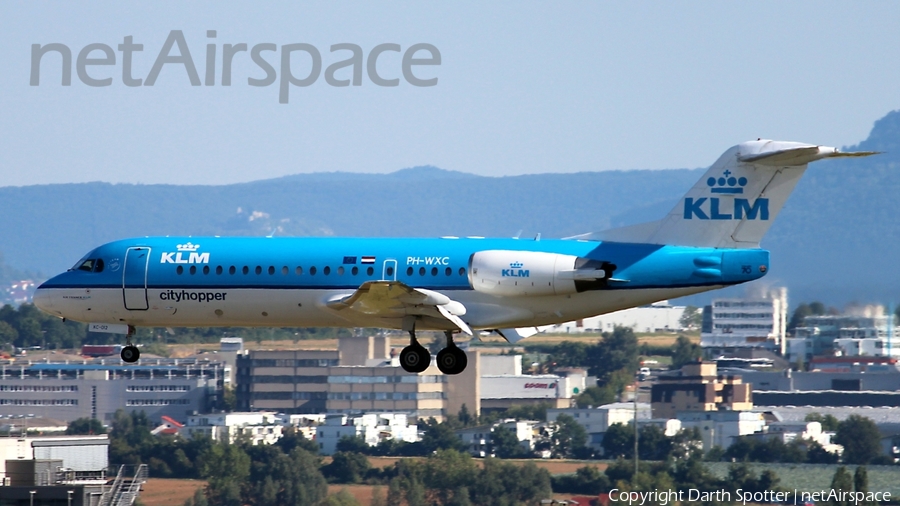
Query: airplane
{"points": [[513, 287]]}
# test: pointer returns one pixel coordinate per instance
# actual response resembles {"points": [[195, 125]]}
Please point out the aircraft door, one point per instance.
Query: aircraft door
{"points": [[389, 270], [134, 279]]}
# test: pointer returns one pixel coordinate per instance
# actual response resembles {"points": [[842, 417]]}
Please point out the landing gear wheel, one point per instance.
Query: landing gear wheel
{"points": [[415, 357], [130, 354], [452, 360]]}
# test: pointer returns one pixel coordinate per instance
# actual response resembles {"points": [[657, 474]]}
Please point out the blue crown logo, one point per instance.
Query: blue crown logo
{"points": [[516, 265], [727, 183]]}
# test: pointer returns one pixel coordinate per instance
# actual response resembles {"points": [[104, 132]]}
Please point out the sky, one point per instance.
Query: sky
{"points": [[522, 87]]}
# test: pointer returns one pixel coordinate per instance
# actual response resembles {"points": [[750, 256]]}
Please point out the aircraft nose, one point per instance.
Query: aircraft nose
{"points": [[43, 299]]}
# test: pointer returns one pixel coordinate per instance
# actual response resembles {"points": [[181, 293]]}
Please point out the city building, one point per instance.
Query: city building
{"points": [[257, 427], [698, 387], [479, 441], [372, 428], [658, 317], [596, 421], [80, 388], [790, 431], [361, 376], [503, 385], [745, 323], [720, 428], [868, 333]]}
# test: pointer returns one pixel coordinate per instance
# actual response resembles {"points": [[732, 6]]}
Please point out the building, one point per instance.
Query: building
{"points": [[503, 385], [596, 421], [97, 388], [790, 431], [373, 428], [658, 317], [698, 387], [360, 376], [746, 323], [84, 456], [480, 444], [257, 428], [720, 428], [869, 333]]}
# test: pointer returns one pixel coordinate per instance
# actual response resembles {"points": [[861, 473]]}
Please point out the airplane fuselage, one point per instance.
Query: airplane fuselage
{"points": [[292, 282]]}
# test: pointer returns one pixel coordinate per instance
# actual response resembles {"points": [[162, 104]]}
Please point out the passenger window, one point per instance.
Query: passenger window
{"points": [[341, 271], [245, 270], [179, 269], [232, 270], [409, 271], [354, 271], [284, 271], [434, 271], [193, 269], [390, 271], [218, 269], [98, 267], [326, 270], [258, 270], [312, 271], [462, 271], [370, 271], [87, 265], [449, 271], [298, 271], [271, 270], [421, 271], [205, 269]]}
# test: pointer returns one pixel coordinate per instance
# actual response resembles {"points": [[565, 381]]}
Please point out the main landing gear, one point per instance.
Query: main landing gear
{"points": [[415, 358], [130, 353]]}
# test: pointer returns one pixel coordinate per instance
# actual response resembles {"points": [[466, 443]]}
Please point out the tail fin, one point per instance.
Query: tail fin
{"points": [[735, 202]]}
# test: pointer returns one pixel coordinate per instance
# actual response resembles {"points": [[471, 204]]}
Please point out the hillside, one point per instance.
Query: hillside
{"points": [[835, 239]]}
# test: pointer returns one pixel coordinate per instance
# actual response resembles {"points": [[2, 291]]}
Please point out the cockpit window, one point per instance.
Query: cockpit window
{"points": [[90, 265]]}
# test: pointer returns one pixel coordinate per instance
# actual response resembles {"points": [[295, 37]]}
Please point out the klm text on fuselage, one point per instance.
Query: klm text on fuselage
{"points": [[712, 208]]}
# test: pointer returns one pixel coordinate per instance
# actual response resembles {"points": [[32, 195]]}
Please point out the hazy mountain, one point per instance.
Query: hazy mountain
{"points": [[835, 240]]}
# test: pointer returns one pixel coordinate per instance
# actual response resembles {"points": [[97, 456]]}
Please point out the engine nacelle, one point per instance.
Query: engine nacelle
{"points": [[522, 273]]}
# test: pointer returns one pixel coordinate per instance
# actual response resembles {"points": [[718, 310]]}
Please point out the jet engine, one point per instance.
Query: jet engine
{"points": [[534, 273]]}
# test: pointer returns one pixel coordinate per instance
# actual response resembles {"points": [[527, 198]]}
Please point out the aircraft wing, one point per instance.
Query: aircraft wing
{"points": [[393, 299]]}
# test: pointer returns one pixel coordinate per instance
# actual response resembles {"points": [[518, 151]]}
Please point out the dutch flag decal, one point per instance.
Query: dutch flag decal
{"points": [[368, 259]]}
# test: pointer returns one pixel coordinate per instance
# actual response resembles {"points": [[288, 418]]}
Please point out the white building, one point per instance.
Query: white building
{"points": [[720, 428], [480, 443], [659, 317], [596, 421], [810, 431], [373, 428], [503, 385], [258, 427], [86, 456], [746, 323], [869, 332]]}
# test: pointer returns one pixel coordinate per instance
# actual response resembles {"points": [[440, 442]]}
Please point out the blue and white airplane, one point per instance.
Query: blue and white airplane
{"points": [[514, 287]]}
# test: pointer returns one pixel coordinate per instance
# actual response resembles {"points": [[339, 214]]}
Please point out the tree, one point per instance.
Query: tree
{"points": [[692, 318], [347, 467], [685, 352], [569, 437], [354, 444], [861, 480], [439, 436], [841, 482], [82, 426], [505, 444], [860, 438], [596, 396], [618, 442], [828, 422], [464, 417], [618, 351]]}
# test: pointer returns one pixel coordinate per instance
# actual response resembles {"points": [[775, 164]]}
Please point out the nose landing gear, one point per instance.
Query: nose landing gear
{"points": [[130, 353]]}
